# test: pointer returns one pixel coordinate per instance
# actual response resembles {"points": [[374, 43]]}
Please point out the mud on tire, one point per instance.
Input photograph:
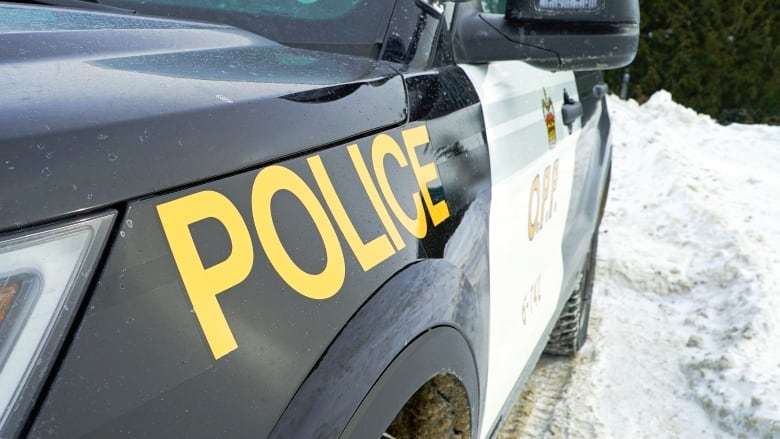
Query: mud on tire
{"points": [[571, 329], [439, 409]]}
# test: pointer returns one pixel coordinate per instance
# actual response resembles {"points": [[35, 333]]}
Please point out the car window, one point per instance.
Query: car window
{"points": [[494, 6], [348, 26]]}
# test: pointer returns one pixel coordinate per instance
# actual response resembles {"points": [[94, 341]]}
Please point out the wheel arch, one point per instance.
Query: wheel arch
{"points": [[426, 320], [428, 358]]}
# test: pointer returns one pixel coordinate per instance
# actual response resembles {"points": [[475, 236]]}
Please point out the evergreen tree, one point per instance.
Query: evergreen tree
{"points": [[718, 57]]}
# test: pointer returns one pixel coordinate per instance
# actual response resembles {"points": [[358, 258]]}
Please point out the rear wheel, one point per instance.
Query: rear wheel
{"points": [[571, 329]]}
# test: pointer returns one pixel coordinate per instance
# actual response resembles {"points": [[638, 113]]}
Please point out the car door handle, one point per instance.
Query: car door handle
{"points": [[571, 110], [600, 90]]}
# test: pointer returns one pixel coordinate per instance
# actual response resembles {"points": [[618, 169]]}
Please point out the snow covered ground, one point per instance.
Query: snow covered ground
{"points": [[685, 325]]}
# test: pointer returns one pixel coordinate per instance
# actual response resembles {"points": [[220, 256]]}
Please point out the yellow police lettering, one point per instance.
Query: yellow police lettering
{"points": [[553, 187], [321, 285], [203, 284], [368, 254], [384, 145], [373, 195], [541, 199], [545, 195], [533, 208], [425, 174]]}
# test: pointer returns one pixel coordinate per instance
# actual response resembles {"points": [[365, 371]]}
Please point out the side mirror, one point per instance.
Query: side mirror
{"points": [[550, 34]]}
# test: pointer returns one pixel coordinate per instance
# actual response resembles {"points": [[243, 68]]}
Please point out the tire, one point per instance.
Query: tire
{"points": [[439, 409], [571, 329]]}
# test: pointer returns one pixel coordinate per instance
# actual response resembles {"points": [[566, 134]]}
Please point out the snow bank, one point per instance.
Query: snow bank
{"points": [[686, 311]]}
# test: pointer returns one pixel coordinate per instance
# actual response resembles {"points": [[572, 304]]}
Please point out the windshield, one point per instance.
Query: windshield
{"points": [[347, 26]]}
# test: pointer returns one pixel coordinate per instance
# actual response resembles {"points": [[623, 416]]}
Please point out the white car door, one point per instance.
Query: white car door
{"points": [[532, 161]]}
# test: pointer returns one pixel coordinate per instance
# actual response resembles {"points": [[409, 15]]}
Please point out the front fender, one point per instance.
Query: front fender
{"points": [[426, 295]]}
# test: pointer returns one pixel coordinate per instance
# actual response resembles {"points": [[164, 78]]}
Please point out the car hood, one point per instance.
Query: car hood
{"points": [[99, 108]]}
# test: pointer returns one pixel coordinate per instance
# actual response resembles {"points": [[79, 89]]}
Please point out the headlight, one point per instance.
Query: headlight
{"points": [[43, 274]]}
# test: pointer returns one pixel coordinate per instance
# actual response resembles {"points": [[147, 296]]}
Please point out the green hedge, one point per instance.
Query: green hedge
{"points": [[719, 57]]}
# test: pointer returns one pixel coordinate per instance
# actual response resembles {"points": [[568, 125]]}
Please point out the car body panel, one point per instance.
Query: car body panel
{"points": [[140, 349], [151, 106], [532, 160]]}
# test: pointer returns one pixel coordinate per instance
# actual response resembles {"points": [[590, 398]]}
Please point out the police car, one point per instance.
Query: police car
{"points": [[298, 218]]}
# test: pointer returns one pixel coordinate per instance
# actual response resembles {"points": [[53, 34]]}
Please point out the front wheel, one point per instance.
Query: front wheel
{"points": [[571, 329]]}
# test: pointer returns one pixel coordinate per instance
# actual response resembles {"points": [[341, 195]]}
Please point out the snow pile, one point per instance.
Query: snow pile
{"points": [[685, 338]]}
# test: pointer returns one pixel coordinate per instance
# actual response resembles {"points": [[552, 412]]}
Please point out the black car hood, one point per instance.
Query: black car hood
{"points": [[99, 108]]}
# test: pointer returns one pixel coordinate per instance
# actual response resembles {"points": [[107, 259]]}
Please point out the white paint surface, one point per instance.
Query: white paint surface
{"points": [[519, 151]]}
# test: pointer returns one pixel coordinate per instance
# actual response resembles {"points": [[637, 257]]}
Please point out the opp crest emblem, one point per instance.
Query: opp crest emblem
{"points": [[548, 110]]}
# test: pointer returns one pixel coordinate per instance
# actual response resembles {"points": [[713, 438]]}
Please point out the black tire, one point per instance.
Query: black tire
{"points": [[571, 329]]}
